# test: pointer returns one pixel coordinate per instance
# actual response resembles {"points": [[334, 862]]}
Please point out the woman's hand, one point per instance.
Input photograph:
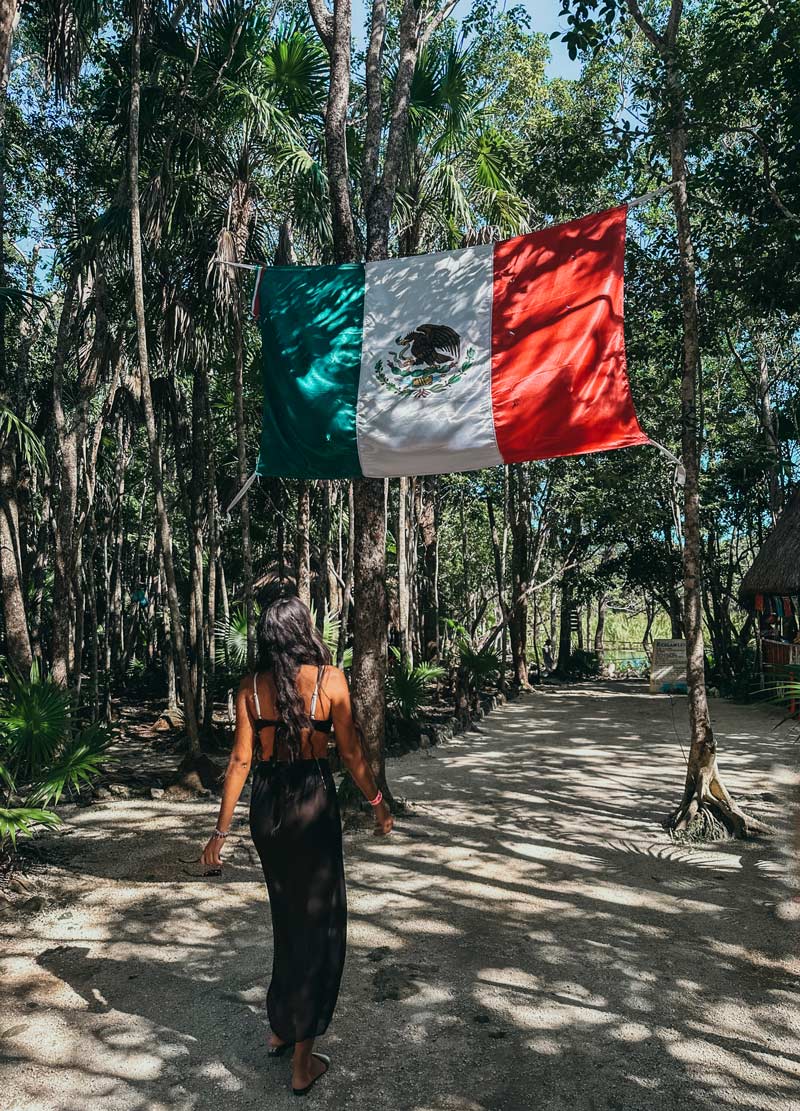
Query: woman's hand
{"points": [[384, 821], [211, 853]]}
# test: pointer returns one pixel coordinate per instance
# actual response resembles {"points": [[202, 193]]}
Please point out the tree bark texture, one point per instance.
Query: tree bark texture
{"points": [[165, 531]]}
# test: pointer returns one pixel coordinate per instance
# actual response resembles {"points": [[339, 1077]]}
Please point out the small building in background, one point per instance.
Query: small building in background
{"points": [[771, 592]]}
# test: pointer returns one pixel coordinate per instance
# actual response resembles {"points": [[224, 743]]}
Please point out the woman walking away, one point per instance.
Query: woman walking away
{"points": [[284, 713]]}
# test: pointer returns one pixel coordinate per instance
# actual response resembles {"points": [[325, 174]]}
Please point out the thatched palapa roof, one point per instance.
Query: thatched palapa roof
{"points": [[776, 568]]}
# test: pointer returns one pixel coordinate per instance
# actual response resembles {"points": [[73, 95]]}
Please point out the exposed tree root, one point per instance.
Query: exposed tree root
{"points": [[707, 812]]}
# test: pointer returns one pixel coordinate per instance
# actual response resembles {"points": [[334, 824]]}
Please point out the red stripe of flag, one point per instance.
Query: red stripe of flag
{"points": [[559, 378]]}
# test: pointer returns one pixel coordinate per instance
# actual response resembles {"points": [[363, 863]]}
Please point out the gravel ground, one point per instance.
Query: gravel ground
{"points": [[527, 938]]}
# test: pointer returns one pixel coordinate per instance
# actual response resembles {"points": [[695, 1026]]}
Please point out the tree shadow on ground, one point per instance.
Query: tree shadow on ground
{"points": [[528, 938]]}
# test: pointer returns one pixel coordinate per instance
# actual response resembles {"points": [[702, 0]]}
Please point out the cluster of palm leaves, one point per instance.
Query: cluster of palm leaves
{"points": [[480, 665], [408, 685], [231, 637], [43, 753]]}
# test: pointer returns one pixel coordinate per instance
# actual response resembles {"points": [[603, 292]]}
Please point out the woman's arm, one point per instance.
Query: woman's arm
{"points": [[239, 762], [348, 744]]}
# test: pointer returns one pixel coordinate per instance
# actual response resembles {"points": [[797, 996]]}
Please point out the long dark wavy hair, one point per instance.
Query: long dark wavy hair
{"points": [[287, 637]]}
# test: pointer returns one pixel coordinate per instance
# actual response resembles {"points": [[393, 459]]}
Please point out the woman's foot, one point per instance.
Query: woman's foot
{"points": [[307, 1070], [277, 1046]]}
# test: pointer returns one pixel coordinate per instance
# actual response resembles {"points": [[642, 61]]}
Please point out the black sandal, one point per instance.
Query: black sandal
{"points": [[279, 1050], [304, 1091]]}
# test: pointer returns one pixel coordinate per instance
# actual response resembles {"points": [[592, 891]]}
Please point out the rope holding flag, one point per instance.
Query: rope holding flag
{"points": [[241, 493], [680, 470]]}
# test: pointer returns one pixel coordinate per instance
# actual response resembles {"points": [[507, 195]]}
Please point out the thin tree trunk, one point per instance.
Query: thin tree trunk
{"points": [[370, 620], [771, 440], [91, 597], [705, 798], [327, 586], [18, 644], [564, 630], [165, 531], [241, 459], [348, 574], [600, 627], [197, 507], [404, 601], [429, 601], [519, 518], [213, 555], [499, 576], [67, 502], [303, 543]]}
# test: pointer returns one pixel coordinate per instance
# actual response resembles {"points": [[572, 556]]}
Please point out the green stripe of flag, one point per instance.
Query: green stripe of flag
{"points": [[311, 327]]}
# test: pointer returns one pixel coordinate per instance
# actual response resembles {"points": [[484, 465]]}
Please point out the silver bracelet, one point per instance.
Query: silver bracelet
{"points": [[219, 833]]}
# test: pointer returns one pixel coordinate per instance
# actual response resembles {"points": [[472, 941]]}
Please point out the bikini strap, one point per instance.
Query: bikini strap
{"points": [[314, 696], [255, 695]]}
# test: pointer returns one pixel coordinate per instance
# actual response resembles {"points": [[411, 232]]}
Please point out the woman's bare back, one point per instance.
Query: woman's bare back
{"points": [[262, 707]]}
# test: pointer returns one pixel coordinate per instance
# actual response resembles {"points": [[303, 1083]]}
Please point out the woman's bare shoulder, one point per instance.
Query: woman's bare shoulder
{"points": [[335, 679]]}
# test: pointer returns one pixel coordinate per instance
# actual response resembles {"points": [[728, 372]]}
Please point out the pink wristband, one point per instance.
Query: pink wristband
{"points": [[378, 798]]}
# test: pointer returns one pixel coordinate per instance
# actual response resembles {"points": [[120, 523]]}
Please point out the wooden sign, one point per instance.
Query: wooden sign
{"points": [[668, 667]]}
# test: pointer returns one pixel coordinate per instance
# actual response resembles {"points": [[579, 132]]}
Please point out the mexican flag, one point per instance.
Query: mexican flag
{"points": [[449, 361]]}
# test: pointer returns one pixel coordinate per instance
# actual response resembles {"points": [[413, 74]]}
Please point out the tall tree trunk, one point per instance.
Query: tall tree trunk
{"points": [[499, 578], [165, 531], [9, 18], [327, 587], [519, 519], [600, 627], [241, 461], [403, 596], [197, 514], [94, 623], [213, 556], [347, 594], [67, 500], [370, 620], [771, 440], [704, 793], [429, 595], [564, 630], [18, 644]]}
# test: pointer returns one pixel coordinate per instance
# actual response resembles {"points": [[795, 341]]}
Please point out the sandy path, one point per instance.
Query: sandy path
{"points": [[551, 948]]}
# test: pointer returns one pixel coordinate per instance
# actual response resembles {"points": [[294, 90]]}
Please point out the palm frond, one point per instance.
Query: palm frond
{"points": [[18, 821], [30, 446], [231, 635], [78, 762]]}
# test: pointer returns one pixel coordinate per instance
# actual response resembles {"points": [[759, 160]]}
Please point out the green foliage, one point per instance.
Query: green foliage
{"points": [[407, 687], [31, 448], [480, 665], [231, 637], [42, 753], [331, 628]]}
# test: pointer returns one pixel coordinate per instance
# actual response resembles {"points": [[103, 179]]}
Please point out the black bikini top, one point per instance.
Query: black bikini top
{"points": [[321, 725]]}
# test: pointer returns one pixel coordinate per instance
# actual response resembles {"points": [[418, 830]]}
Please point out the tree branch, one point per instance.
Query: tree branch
{"points": [[534, 588], [381, 201], [374, 122], [647, 28], [673, 23], [324, 22], [434, 25]]}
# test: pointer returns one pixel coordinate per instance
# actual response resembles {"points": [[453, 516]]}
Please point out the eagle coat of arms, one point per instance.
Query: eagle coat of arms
{"points": [[426, 361]]}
